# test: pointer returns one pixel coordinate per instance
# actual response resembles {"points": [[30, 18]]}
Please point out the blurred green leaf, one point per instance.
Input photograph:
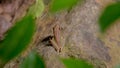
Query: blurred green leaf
{"points": [[17, 38], [36, 9], [109, 16], [76, 63], [58, 5], [118, 66], [33, 61]]}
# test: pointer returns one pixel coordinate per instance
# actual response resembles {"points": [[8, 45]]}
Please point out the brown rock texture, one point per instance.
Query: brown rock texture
{"points": [[80, 36]]}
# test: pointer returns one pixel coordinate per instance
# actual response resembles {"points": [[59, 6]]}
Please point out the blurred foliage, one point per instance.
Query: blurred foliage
{"points": [[109, 16], [36, 9], [20, 35], [57, 5], [117, 66], [76, 63], [17, 38], [33, 61]]}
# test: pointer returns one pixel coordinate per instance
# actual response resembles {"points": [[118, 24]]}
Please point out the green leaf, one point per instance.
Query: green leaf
{"points": [[58, 5], [109, 16], [17, 38], [117, 66], [33, 61], [76, 63], [36, 9]]}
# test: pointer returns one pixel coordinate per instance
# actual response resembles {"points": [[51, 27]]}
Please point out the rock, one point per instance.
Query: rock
{"points": [[4, 26], [80, 36], [1, 9], [8, 17]]}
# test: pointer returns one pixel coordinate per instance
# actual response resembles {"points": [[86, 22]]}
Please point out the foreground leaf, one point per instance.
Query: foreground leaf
{"points": [[17, 38], [58, 5], [118, 66], [109, 16], [76, 63], [36, 9], [33, 61]]}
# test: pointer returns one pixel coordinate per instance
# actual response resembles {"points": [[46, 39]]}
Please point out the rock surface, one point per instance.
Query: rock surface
{"points": [[80, 37]]}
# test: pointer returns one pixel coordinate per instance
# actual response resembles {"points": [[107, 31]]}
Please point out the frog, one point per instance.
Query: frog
{"points": [[56, 40]]}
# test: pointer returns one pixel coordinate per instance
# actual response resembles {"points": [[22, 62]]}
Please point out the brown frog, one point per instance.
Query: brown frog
{"points": [[56, 40]]}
